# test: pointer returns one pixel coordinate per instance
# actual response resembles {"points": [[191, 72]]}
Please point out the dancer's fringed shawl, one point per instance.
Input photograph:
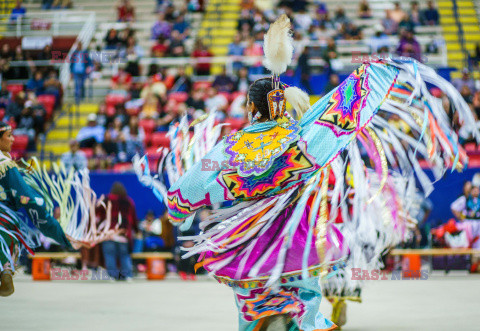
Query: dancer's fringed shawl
{"points": [[280, 213]]}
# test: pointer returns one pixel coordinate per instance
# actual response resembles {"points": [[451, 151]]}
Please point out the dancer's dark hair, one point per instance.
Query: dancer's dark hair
{"points": [[257, 93], [3, 129]]}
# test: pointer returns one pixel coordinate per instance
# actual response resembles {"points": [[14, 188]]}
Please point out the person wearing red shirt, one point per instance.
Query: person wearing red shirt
{"points": [[203, 67], [123, 216]]}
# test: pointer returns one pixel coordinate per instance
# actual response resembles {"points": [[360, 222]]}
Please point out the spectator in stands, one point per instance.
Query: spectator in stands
{"points": [[122, 80], [379, 43], [17, 12], [475, 57], [151, 228], [92, 134], [38, 113], [224, 82], [4, 95], [15, 107], [215, 100], [182, 82], [302, 20], [131, 48], [176, 47], [110, 146], [364, 10], [398, 14], [99, 159], [133, 138], [431, 47], [161, 28], [170, 13], [112, 40], [46, 53], [160, 48], [330, 54], [255, 51], [466, 80], [75, 158], [351, 32], [47, 4], [390, 26], [245, 21], [340, 17], [414, 15], [126, 12], [202, 68], [430, 14], [36, 83], [168, 114], [242, 82], [150, 106], [6, 52], [409, 46], [119, 247], [235, 49], [476, 105], [333, 82], [406, 24], [80, 67], [181, 26], [25, 126], [62, 4], [304, 68], [195, 101], [53, 86]]}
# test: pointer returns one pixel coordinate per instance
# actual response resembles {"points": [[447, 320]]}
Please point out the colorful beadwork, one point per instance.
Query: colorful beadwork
{"points": [[261, 303], [252, 153], [342, 114], [287, 168]]}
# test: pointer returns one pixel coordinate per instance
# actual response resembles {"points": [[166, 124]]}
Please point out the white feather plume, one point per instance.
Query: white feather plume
{"points": [[278, 46], [299, 100]]}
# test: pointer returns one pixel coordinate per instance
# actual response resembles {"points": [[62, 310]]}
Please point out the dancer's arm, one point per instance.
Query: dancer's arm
{"points": [[23, 196]]}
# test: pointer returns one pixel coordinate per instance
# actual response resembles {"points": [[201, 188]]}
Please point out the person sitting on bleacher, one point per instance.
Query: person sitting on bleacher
{"points": [[17, 12], [430, 15], [92, 134], [75, 158], [151, 228]]}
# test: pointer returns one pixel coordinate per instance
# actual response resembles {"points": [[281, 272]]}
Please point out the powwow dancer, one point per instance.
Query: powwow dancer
{"points": [[34, 191], [273, 245]]}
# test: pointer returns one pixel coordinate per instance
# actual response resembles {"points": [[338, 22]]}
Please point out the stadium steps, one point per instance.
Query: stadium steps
{"points": [[219, 26], [6, 7], [450, 30], [57, 139]]}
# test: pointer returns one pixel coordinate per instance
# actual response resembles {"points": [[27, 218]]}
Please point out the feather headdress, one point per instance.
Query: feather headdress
{"points": [[278, 46]]}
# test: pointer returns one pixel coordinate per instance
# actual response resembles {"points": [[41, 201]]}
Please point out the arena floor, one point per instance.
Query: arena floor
{"points": [[440, 303]]}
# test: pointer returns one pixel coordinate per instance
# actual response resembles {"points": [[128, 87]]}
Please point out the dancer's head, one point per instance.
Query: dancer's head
{"points": [[257, 100], [6, 137]]}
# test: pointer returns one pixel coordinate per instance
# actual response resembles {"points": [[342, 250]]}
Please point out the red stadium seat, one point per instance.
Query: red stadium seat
{"points": [[201, 84], [227, 95], [88, 152], [2, 114], [111, 110], [15, 89], [148, 125], [237, 94], [178, 96], [20, 143], [122, 167], [48, 102], [235, 124], [160, 139], [114, 99], [470, 147]]}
